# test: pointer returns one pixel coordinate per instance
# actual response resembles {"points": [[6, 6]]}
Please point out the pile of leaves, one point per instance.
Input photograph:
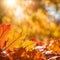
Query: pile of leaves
{"points": [[49, 50], [28, 48]]}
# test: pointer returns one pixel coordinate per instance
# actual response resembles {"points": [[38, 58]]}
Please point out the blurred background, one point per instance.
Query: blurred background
{"points": [[39, 19]]}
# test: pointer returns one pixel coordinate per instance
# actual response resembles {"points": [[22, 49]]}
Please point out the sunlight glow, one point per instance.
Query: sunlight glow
{"points": [[10, 3], [19, 12], [17, 9]]}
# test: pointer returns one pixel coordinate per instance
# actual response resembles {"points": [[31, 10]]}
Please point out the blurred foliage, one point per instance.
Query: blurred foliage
{"points": [[39, 24]]}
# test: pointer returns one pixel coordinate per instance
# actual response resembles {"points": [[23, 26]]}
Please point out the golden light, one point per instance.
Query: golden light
{"points": [[10, 3], [17, 8], [19, 13]]}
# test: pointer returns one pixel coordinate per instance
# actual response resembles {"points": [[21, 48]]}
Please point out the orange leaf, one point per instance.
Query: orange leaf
{"points": [[4, 29]]}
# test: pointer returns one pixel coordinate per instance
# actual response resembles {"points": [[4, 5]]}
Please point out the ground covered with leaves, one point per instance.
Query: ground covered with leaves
{"points": [[50, 50], [22, 48]]}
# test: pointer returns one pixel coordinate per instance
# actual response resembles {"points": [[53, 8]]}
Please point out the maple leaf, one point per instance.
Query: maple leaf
{"points": [[29, 45], [4, 30]]}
